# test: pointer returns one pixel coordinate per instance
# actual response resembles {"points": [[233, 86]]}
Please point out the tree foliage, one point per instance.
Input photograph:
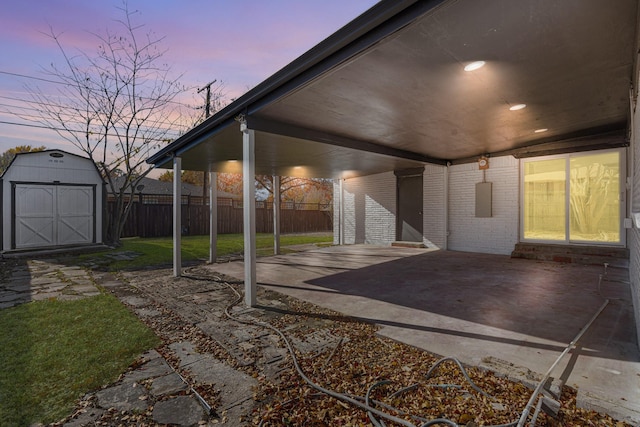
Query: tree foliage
{"points": [[189, 177], [7, 157], [299, 190], [117, 105], [292, 189]]}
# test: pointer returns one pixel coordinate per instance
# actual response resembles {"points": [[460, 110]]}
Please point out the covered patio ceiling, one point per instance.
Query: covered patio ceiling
{"points": [[389, 91]]}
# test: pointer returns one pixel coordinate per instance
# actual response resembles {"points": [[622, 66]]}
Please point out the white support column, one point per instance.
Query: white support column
{"points": [[213, 217], [177, 216], [249, 214], [341, 214], [446, 207], [276, 215]]}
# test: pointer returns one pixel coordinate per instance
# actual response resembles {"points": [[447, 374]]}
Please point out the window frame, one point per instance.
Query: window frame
{"points": [[567, 157]]}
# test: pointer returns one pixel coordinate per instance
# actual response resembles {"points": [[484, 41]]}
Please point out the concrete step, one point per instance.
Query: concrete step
{"points": [[589, 255], [404, 244]]}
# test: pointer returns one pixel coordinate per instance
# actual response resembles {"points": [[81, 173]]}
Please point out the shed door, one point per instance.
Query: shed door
{"points": [[53, 215]]}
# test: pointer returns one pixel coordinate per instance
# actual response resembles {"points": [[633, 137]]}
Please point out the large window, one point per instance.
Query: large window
{"points": [[573, 198]]}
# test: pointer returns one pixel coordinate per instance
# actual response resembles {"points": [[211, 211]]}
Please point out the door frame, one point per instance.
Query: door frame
{"points": [[56, 185], [407, 173], [567, 241]]}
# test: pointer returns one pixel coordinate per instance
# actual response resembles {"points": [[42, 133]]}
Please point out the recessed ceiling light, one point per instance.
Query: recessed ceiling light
{"points": [[517, 107], [474, 65], [540, 130]]}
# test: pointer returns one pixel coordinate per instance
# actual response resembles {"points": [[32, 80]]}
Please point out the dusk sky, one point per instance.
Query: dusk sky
{"points": [[237, 42]]}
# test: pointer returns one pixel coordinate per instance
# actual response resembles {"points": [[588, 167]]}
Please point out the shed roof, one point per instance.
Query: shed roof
{"points": [[52, 153], [388, 90]]}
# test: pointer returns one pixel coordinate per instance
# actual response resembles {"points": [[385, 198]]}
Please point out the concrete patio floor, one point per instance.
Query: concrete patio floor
{"points": [[486, 310]]}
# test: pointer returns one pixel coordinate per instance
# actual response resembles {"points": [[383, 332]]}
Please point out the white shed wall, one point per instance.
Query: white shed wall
{"points": [[497, 234], [40, 167]]}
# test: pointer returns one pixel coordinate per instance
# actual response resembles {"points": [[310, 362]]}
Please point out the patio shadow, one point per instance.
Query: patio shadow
{"points": [[492, 298]]}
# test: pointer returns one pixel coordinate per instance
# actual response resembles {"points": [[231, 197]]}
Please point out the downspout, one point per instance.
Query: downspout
{"points": [[631, 160]]}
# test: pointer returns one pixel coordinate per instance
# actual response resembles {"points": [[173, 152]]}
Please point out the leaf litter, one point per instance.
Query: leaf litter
{"points": [[361, 365]]}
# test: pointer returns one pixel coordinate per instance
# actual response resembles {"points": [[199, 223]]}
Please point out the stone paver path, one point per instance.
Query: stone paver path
{"points": [[39, 279], [161, 389]]}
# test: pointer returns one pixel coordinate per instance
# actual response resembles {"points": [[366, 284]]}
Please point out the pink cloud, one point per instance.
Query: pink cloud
{"points": [[238, 42]]}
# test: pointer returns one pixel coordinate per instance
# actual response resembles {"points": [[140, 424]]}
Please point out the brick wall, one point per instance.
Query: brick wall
{"points": [[497, 234], [434, 221], [633, 242], [369, 209], [633, 234]]}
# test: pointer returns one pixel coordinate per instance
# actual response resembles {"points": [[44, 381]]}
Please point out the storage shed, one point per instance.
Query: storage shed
{"points": [[50, 199]]}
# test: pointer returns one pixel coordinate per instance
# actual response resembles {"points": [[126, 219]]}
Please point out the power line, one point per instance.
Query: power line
{"points": [[159, 124], [33, 78], [33, 102], [161, 127], [73, 131], [71, 113], [67, 84]]}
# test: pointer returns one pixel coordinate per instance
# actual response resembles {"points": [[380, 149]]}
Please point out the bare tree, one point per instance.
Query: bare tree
{"points": [[299, 190], [117, 105]]}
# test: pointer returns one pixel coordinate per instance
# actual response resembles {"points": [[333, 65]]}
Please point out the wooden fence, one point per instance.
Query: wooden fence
{"points": [[152, 216]]}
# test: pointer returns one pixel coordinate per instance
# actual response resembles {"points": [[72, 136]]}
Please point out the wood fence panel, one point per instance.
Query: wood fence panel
{"points": [[156, 220]]}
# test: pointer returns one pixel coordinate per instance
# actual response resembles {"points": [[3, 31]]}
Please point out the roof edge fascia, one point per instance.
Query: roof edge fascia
{"points": [[597, 138], [380, 16]]}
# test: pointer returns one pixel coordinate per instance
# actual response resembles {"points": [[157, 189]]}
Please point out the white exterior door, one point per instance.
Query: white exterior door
{"points": [[53, 215]]}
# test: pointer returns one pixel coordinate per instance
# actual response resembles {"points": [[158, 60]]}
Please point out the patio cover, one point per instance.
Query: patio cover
{"points": [[389, 91]]}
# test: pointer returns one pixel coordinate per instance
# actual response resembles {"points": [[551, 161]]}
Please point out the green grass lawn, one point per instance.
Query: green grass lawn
{"points": [[53, 352], [159, 251]]}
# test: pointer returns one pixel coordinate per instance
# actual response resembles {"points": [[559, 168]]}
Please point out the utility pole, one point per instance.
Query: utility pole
{"points": [[207, 113], [207, 105]]}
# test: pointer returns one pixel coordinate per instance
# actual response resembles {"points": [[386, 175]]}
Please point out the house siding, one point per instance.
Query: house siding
{"points": [[497, 234]]}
